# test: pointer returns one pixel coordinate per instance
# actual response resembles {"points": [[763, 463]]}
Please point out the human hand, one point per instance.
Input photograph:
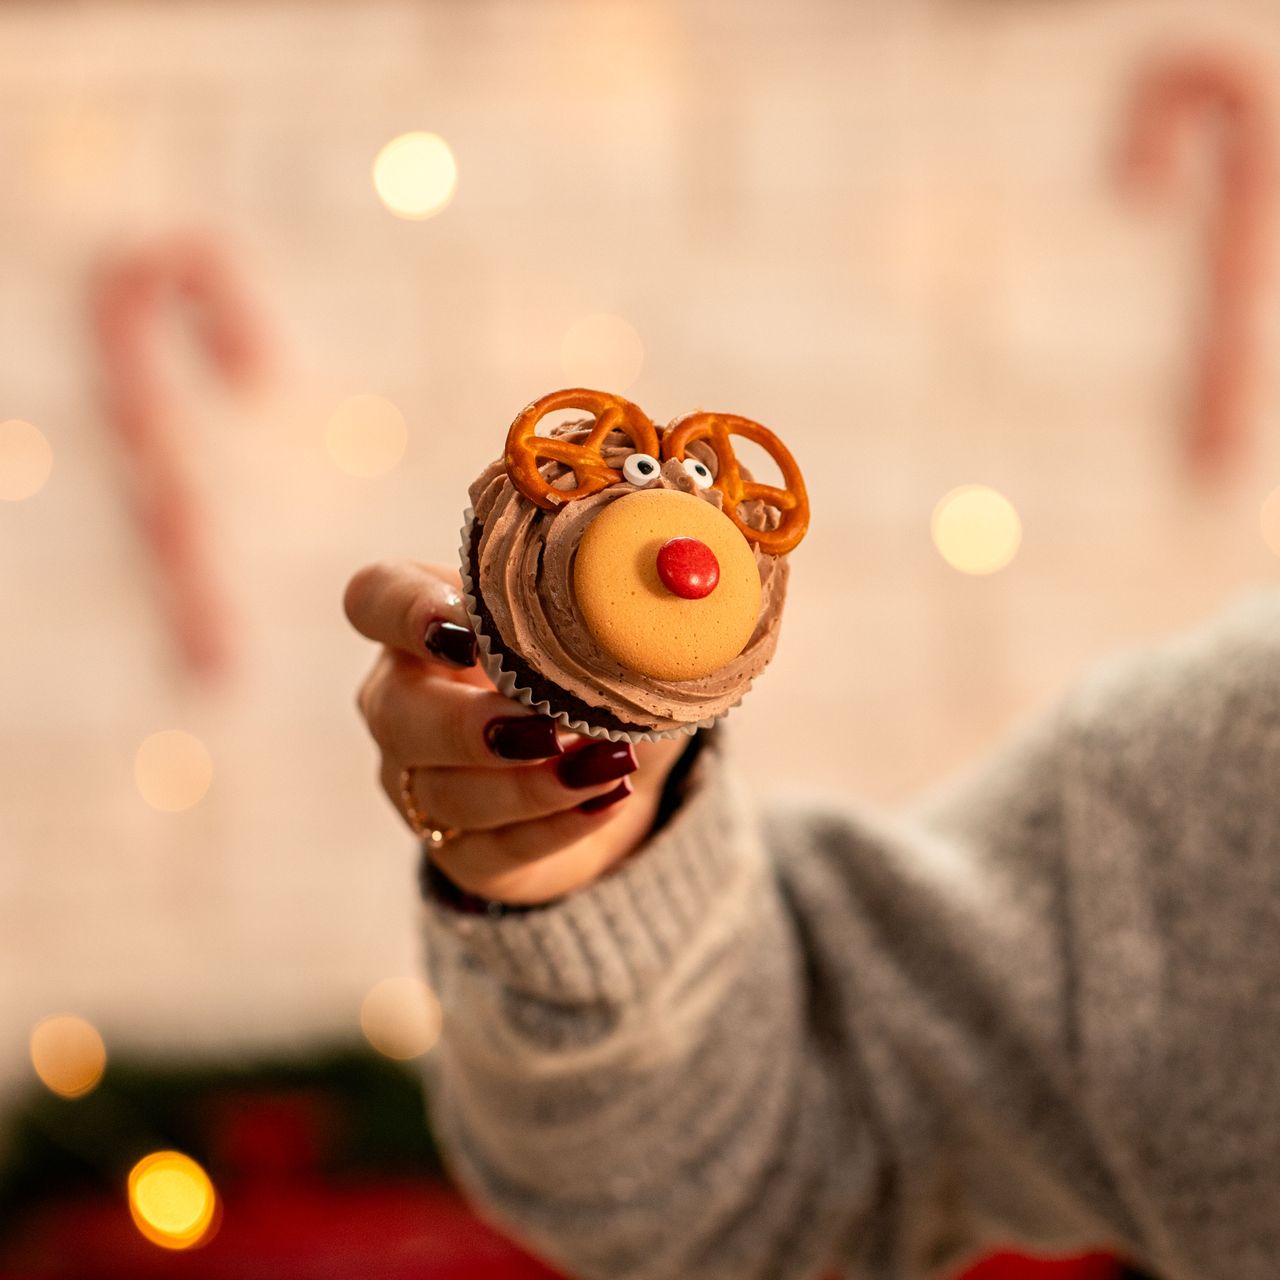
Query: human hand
{"points": [[537, 811]]}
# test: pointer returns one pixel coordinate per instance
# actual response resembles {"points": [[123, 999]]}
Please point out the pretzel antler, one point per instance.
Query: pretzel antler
{"points": [[792, 501], [525, 448]]}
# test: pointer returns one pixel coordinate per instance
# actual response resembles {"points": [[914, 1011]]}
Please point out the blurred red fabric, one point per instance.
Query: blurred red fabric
{"points": [[305, 1230]]}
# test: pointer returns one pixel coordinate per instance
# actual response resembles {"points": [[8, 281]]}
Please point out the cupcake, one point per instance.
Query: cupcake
{"points": [[624, 578]]}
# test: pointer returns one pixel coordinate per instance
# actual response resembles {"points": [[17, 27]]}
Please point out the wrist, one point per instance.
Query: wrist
{"points": [[435, 885]]}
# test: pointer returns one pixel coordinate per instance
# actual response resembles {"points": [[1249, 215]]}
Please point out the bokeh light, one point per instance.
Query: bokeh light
{"points": [[415, 175], [601, 351], [400, 1017], [68, 1054], [26, 458], [172, 770], [366, 436], [172, 1201], [976, 529], [1269, 519]]}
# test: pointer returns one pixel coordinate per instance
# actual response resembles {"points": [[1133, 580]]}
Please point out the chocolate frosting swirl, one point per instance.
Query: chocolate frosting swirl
{"points": [[523, 569]]}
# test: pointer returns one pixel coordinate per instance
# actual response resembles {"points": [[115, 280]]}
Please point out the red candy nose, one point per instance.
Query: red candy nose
{"points": [[688, 568]]}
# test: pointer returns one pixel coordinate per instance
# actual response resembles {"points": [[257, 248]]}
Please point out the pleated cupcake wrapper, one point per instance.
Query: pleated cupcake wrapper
{"points": [[508, 682]]}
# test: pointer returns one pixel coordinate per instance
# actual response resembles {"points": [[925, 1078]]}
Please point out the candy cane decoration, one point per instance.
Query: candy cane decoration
{"points": [[127, 303], [1171, 96]]}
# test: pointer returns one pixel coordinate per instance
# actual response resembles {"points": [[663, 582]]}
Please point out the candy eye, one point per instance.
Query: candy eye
{"points": [[640, 468], [699, 473]]}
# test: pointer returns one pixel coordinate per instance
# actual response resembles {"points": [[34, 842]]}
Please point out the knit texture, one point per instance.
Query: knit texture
{"points": [[1040, 1007]]}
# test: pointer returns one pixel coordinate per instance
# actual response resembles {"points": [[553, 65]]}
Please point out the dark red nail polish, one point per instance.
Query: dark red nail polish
{"points": [[597, 804], [597, 763], [450, 642], [522, 737]]}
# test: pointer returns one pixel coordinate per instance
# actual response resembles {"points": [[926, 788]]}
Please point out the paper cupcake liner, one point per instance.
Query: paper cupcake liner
{"points": [[508, 682]]}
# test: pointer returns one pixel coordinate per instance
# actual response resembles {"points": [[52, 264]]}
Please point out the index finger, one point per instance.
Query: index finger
{"points": [[414, 607]]}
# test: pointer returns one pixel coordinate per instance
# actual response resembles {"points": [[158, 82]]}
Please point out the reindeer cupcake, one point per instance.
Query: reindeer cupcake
{"points": [[625, 578]]}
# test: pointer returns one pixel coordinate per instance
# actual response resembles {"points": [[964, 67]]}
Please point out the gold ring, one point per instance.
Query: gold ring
{"points": [[431, 834]]}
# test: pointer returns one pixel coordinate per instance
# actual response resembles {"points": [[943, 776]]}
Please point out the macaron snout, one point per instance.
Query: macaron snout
{"points": [[666, 584]]}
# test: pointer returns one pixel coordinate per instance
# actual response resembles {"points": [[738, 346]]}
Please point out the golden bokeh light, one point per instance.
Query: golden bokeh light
{"points": [[26, 458], [172, 1201], [366, 436], [601, 351], [400, 1017], [1269, 520], [68, 1055], [415, 175], [172, 770], [976, 529]]}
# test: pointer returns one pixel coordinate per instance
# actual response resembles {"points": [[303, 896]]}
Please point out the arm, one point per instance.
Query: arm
{"points": [[764, 1050]]}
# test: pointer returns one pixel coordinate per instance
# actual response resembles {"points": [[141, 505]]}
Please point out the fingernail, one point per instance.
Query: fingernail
{"points": [[450, 642], [522, 737], [598, 804], [600, 762]]}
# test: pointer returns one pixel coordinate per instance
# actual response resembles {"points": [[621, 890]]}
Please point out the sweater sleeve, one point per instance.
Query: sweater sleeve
{"points": [[771, 1047]]}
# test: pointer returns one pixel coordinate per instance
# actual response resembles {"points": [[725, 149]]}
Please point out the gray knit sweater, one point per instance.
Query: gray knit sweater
{"points": [[1040, 1008]]}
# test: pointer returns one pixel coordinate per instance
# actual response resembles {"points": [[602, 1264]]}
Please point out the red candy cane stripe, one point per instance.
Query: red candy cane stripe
{"points": [[128, 301], [1207, 88]]}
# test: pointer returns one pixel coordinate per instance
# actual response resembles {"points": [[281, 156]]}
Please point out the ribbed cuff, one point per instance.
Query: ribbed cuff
{"points": [[613, 939]]}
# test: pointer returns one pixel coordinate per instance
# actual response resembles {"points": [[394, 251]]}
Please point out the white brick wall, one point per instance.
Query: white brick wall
{"points": [[886, 230]]}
